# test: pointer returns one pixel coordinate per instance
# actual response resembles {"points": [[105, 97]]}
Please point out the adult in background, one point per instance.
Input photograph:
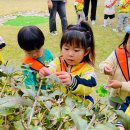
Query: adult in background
{"points": [[93, 10], [54, 7]]}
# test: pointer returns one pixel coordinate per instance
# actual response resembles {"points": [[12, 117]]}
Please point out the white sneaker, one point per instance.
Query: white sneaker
{"points": [[93, 22], [104, 25], [54, 33], [115, 30]]}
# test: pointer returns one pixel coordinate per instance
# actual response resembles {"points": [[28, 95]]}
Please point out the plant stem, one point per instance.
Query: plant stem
{"points": [[63, 123], [92, 120], [34, 104], [4, 87]]}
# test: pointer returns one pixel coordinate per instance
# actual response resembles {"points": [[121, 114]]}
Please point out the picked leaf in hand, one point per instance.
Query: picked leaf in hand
{"points": [[101, 91]]}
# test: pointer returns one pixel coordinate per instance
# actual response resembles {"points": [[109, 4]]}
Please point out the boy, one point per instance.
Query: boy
{"points": [[31, 40]]}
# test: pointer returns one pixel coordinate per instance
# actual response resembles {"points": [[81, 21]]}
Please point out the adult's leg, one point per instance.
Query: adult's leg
{"points": [[86, 8], [93, 9], [62, 13], [52, 18]]}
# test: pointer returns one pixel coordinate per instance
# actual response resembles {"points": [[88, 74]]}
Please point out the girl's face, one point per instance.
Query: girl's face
{"points": [[73, 55], [34, 53], [128, 44]]}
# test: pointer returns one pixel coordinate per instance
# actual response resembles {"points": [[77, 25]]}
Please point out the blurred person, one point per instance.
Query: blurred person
{"points": [[93, 10], [54, 7], [79, 5], [31, 40], [109, 12], [117, 67]]}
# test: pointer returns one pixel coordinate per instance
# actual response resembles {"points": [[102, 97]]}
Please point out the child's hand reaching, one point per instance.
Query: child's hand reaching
{"points": [[108, 70], [121, 128], [64, 77], [115, 84], [44, 72]]}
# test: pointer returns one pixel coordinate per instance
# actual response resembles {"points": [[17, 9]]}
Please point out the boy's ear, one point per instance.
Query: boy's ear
{"points": [[87, 51]]}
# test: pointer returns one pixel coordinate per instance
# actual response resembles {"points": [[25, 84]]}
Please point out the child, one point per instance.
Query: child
{"points": [[117, 67], [2, 44], [79, 5], [31, 40], [123, 8], [109, 12], [75, 65]]}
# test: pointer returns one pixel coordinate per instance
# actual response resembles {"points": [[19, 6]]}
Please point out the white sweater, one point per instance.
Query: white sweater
{"points": [[111, 10], [112, 62]]}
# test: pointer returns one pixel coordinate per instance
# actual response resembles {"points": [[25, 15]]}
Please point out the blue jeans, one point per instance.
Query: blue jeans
{"points": [[58, 6]]}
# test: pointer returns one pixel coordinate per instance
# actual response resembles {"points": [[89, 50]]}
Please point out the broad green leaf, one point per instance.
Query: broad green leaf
{"points": [[65, 111], [27, 113], [61, 112], [9, 70], [4, 111], [54, 113], [48, 104], [18, 125], [116, 99], [79, 122], [14, 101], [101, 91], [55, 93], [28, 92], [69, 102]]}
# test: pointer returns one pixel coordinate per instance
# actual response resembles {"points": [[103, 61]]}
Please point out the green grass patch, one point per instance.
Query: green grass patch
{"points": [[26, 20]]}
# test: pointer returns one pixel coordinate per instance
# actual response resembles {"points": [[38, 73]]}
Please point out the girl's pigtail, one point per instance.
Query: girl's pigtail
{"points": [[90, 40]]}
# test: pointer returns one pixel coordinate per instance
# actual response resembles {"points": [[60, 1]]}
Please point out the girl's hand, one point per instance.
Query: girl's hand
{"points": [[50, 4], [44, 72], [121, 128], [108, 70], [64, 77], [115, 84]]}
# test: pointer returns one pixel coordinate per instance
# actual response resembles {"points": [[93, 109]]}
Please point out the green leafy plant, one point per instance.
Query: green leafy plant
{"points": [[28, 109]]}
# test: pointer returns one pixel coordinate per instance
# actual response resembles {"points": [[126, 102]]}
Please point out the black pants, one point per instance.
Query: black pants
{"points": [[93, 9]]}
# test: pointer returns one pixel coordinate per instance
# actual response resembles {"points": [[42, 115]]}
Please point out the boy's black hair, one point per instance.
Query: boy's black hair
{"points": [[80, 35], [30, 38]]}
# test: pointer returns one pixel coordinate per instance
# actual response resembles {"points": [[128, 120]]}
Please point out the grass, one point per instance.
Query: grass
{"points": [[26, 20], [105, 40]]}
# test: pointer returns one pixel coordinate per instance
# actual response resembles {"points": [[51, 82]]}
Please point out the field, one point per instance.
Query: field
{"points": [[105, 40]]}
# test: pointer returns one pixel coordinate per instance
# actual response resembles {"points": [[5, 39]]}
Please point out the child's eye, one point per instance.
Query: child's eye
{"points": [[77, 50], [66, 48]]}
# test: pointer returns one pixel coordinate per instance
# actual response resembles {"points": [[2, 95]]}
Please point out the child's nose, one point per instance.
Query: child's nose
{"points": [[71, 53], [34, 55]]}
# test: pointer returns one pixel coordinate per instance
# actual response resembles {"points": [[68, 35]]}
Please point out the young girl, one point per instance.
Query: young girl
{"points": [[79, 5], [109, 12], [123, 9], [31, 40], [117, 67], [75, 65]]}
